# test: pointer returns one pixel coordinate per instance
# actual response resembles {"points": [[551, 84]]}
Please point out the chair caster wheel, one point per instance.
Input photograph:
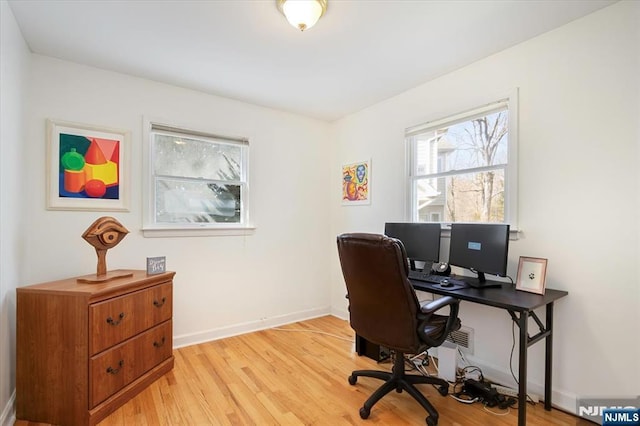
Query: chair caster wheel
{"points": [[444, 390], [353, 379], [431, 421], [364, 413]]}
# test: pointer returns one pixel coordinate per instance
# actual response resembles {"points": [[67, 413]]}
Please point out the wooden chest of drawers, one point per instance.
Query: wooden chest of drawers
{"points": [[83, 350]]}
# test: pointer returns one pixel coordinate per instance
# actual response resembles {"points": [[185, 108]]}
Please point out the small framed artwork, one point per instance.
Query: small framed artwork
{"points": [[87, 167], [532, 273], [356, 181]]}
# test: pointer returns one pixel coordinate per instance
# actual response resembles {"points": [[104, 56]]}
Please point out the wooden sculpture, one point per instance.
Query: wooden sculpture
{"points": [[105, 233]]}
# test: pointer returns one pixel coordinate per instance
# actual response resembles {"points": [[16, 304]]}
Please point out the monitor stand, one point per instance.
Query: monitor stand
{"points": [[426, 268], [481, 282]]}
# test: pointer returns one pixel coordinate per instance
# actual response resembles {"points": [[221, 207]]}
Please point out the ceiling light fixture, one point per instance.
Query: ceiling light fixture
{"points": [[302, 14]]}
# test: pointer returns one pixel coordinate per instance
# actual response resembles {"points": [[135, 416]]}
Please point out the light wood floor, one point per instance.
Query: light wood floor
{"points": [[293, 377]]}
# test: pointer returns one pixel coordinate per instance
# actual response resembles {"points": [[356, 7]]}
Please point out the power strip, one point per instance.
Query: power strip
{"points": [[503, 390]]}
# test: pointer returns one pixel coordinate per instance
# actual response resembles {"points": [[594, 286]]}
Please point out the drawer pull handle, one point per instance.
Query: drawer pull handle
{"points": [[115, 322], [160, 303], [112, 370], [160, 343]]}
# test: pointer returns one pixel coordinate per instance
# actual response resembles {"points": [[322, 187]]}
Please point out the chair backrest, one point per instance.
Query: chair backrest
{"points": [[383, 306]]}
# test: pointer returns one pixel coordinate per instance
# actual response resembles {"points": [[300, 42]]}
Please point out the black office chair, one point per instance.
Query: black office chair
{"points": [[384, 310]]}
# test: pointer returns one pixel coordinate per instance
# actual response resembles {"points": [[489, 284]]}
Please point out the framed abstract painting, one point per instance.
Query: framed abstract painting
{"points": [[87, 167], [356, 183]]}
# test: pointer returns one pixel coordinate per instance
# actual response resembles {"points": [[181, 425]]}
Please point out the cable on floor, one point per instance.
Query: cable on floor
{"points": [[496, 413]]}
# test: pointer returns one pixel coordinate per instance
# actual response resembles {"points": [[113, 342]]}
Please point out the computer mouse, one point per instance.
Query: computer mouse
{"points": [[446, 283]]}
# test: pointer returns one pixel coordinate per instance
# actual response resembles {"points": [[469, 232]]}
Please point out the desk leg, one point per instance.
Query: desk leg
{"points": [[548, 343], [522, 369]]}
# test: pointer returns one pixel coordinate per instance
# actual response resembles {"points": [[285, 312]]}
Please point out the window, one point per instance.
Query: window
{"points": [[196, 181], [463, 168]]}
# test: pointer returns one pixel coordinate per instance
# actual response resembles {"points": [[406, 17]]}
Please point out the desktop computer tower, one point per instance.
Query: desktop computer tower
{"points": [[371, 350]]}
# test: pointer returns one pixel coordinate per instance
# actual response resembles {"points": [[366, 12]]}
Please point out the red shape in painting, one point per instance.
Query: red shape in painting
{"points": [[95, 188], [94, 154], [110, 148]]}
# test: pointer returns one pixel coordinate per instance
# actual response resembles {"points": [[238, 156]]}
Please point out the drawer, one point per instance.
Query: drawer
{"points": [[115, 368], [115, 320]]}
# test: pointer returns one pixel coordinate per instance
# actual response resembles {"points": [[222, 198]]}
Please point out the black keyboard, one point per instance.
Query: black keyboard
{"points": [[426, 277]]}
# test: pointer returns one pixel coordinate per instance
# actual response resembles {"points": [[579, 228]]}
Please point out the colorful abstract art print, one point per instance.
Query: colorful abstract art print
{"points": [[86, 167], [356, 181]]}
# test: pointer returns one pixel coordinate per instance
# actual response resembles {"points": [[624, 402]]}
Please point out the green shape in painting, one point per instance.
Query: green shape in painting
{"points": [[72, 142], [72, 160]]}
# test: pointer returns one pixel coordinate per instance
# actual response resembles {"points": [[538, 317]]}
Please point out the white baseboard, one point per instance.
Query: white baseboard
{"points": [[247, 327], [340, 313], [8, 416]]}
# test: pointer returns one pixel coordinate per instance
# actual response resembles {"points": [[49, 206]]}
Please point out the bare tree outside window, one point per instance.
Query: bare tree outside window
{"points": [[481, 142], [460, 167]]}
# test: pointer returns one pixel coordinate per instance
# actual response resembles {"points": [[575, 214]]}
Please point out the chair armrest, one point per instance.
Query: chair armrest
{"points": [[431, 323], [431, 306]]}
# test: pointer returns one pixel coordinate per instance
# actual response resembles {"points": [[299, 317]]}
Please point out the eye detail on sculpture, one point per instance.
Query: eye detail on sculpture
{"points": [[109, 237]]}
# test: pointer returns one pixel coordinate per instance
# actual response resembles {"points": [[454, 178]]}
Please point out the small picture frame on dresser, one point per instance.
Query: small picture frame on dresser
{"points": [[156, 265]]}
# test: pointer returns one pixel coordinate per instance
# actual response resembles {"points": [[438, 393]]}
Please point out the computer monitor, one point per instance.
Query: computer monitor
{"points": [[480, 247], [421, 241]]}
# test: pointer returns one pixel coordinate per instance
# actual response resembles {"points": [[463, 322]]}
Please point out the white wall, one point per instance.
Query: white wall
{"points": [[223, 285], [578, 191], [14, 70]]}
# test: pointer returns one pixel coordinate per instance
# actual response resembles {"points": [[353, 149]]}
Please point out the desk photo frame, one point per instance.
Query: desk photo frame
{"points": [[532, 273]]}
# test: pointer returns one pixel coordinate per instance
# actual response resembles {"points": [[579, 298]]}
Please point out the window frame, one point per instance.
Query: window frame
{"points": [[510, 101], [150, 227]]}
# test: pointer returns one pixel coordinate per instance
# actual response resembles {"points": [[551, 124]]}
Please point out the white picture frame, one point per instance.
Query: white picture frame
{"points": [[532, 273]]}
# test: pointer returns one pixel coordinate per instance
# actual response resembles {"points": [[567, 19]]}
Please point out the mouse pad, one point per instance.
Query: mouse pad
{"points": [[455, 286]]}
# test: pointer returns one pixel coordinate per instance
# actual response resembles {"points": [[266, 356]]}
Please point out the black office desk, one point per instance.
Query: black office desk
{"points": [[520, 306]]}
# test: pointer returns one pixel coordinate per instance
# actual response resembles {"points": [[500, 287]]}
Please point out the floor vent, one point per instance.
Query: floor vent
{"points": [[463, 338]]}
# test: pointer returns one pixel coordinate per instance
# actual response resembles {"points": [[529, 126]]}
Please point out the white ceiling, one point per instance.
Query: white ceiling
{"points": [[359, 53]]}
